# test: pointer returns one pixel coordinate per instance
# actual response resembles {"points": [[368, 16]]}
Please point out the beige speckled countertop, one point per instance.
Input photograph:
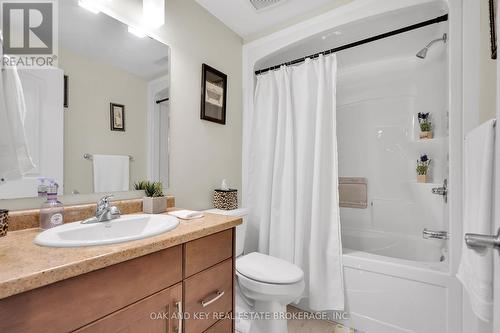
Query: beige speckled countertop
{"points": [[25, 266]]}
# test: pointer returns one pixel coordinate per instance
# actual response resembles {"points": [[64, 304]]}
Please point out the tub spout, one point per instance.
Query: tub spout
{"points": [[432, 234]]}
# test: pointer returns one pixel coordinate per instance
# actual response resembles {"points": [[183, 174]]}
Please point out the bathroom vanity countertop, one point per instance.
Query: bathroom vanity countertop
{"points": [[25, 266]]}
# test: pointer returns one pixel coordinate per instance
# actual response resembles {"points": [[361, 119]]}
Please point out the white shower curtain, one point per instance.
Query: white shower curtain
{"points": [[15, 159], [292, 175]]}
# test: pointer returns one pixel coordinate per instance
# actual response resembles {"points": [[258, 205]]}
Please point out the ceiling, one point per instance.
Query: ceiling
{"points": [[105, 39], [402, 45], [241, 17]]}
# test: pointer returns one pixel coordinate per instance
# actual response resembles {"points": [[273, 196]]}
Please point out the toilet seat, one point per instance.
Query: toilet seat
{"points": [[269, 291], [267, 269]]}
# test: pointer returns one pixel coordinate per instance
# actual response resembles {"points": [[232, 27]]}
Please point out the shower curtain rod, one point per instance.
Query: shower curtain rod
{"points": [[360, 42]]}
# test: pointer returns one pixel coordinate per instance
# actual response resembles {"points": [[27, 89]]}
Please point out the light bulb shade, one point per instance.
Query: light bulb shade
{"points": [[89, 5], [153, 13], [136, 32]]}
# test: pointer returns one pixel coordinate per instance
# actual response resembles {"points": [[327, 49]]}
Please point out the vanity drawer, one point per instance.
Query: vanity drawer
{"points": [[154, 314], [222, 326], [207, 293], [205, 252]]}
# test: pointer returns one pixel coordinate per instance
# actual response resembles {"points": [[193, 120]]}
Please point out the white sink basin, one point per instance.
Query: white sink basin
{"points": [[124, 229]]}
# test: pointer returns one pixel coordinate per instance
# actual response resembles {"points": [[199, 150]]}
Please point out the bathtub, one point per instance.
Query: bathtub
{"points": [[395, 283], [412, 248]]}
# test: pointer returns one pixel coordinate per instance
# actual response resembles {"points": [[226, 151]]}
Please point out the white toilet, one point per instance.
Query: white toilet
{"points": [[266, 285]]}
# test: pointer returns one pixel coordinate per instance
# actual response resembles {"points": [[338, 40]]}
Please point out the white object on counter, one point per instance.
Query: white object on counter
{"points": [[187, 214]]}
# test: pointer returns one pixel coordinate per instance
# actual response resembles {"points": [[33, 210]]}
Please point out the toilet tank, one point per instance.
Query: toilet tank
{"points": [[240, 230]]}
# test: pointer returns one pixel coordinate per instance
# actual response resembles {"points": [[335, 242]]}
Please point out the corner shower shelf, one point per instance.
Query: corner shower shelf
{"points": [[429, 146], [414, 182], [433, 141]]}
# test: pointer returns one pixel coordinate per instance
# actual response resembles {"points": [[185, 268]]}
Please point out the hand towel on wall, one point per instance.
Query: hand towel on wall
{"points": [[15, 159], [111, 173], [476, 267]]}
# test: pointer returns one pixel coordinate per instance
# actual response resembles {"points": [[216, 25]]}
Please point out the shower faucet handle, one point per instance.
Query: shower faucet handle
{"points": [[443, 190]]}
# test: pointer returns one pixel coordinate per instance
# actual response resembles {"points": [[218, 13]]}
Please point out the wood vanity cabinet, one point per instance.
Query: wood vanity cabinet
{"points": [[155, 313], [145, 294]]}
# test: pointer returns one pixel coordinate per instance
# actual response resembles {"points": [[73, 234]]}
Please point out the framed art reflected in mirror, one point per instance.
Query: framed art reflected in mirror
{"points": [[213, 95], [117, 116]]}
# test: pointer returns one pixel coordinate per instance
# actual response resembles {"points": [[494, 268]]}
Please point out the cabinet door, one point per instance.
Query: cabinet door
{"points": [[158, 313]]}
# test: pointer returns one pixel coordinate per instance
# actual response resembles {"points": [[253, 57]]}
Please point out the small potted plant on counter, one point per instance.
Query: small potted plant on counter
{"points": [[425, 125], [154, 202], [423, 169]]}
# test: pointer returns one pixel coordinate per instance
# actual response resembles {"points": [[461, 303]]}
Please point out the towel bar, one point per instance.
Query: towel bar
{"points": [[89, 157], [478, 241]]}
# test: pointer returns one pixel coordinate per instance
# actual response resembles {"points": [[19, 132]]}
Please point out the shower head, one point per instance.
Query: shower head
{"points": [[423, 52]]}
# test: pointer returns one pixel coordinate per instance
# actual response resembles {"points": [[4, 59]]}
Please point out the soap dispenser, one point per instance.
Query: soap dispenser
{"points": [[52, 211], [42, 187]]}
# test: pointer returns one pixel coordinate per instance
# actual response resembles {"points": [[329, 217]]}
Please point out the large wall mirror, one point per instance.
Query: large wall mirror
{"points": [[99, 122]]}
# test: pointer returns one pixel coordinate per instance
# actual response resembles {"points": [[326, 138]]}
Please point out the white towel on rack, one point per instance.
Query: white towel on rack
{"points": [[111, 173], [476, 267], [15, 159]]}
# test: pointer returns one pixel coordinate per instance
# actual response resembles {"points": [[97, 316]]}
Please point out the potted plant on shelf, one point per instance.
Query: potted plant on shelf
{"points": [[154, 202], [423, 169], [425, 125]]}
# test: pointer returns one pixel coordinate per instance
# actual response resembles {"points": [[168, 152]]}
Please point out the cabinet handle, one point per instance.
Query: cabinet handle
{"points": [[218, 294], [178, 305]]}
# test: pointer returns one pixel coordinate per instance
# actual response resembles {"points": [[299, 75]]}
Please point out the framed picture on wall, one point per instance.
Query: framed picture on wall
{"points": [[117, 117], [66, 91], [493, 28], [213, 95]]}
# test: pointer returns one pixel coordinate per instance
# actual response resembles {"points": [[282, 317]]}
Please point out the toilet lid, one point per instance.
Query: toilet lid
{"points": [[267, 269]]}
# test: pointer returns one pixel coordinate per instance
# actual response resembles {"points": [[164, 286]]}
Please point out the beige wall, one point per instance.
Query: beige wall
{"points": [[93, 85], [202, 153], [487, 104]]}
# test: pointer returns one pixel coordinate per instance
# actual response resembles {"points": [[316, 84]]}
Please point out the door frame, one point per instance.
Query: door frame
{"points": [[496, 211]]}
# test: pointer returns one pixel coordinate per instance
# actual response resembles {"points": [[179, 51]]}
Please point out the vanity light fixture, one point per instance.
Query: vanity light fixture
{"points": [[136, 32], [91, 6], [153, 12]]}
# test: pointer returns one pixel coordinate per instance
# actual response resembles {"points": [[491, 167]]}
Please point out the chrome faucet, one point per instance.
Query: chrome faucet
{"points": [[104, 212], [432, 234]]}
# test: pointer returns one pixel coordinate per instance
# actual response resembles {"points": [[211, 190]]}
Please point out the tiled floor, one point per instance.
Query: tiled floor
{"points": [[316, 326]]}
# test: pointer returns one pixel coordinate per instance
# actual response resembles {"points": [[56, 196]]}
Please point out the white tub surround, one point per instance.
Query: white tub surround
{"points": [[293, 163]]}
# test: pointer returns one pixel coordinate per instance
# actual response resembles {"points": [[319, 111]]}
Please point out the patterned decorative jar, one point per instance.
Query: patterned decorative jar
{"points": [[4, 222], [226, 199]]}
